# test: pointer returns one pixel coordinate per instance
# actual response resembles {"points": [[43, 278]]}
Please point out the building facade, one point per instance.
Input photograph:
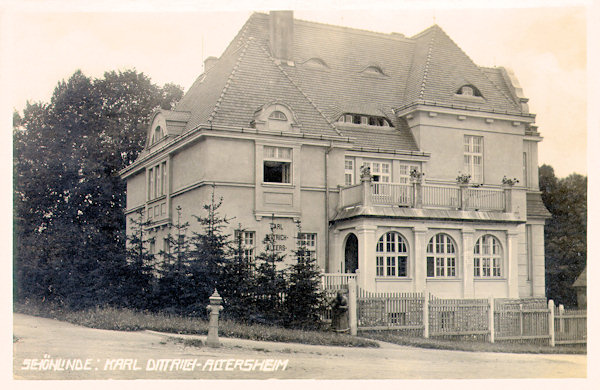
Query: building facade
{"points": [[410, 167]]}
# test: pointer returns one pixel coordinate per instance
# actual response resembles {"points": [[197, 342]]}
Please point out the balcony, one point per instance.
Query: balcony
{"points": [[426, 196]]}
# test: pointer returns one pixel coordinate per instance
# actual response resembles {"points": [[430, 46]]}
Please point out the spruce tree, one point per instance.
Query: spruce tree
{"points": [[304, 298], [175, 292], [208, 254], [238, 282], [270, 282], [140, 266]]}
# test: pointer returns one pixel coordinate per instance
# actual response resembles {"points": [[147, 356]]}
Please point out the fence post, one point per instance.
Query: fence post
{"points": [[491, 319], [551, 322], [352, 306], [426, 314], [561, 318]]}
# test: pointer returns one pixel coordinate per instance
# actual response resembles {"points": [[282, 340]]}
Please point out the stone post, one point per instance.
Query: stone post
{"points": [[214, 308], [366, 182], [464, 199], [418, 194], [508, 195]]}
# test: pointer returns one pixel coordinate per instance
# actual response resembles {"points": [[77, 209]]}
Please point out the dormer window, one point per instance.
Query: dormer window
{"points": [[468, 90], [373, 70], [368, 120], [316, 63], [278, 115]]}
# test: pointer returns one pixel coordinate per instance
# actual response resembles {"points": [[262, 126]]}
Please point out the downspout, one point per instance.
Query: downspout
{"points": [[327, 209]]}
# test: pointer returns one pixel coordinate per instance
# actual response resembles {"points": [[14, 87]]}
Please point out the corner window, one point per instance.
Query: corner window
{"points": [[277, 164], [473, 157], [441, 256], [391, 255], [309, 240], [487, 259]]}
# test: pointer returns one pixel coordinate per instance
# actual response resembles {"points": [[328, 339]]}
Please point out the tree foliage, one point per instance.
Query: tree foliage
{"points": [[565, 233], [304, 299], [68, 197]]}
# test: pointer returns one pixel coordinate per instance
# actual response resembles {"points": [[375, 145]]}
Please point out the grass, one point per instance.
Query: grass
{"points": [[471, 346], [130, 320]]}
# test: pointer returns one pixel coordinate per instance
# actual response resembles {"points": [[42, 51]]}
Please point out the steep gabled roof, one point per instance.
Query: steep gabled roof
{"points": [[330, 76], [440, 68]]}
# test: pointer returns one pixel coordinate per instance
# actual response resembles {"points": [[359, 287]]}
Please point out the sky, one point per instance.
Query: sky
{"points": [[44, 42]]}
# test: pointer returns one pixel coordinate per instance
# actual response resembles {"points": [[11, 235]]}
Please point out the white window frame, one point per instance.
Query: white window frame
{"points": [[278, 154], [380, 169], [488, 257], [443, 257], [473, 157], [248, 243], [391, 251], [348, 171], [309, 240], [404, 172], [157, 180]]}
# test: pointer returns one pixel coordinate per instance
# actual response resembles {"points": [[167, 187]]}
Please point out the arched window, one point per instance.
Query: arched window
{"points": [[278, 115], [391, 255], [157, 135], [441, 256], [487, 259], [469, 90], [373, 70]]}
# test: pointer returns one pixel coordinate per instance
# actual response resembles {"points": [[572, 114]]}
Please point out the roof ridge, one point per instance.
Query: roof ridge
{"points": [[300, 90], [427, 63], [212, 115]]}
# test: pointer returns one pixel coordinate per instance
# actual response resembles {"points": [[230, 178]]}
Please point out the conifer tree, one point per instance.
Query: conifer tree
{"points": [[139, 269], [304, 298], [208, 254], [270, 282], [239, 286], [175, 292]]}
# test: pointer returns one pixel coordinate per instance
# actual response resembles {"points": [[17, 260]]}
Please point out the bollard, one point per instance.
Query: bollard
{"points": [[214, 308]]}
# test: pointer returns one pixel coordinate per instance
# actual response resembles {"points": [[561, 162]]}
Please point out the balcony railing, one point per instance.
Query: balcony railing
{"points": [[418, 195]]}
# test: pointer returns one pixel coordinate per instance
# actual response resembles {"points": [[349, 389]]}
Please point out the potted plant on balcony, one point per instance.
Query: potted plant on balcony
{"points": [[463, 179], [506, 182], [416, 176]]}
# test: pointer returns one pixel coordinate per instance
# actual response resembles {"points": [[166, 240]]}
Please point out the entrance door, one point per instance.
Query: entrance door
{"points": [[351, 254]]}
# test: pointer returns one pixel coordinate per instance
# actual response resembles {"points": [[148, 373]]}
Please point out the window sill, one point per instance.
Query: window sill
{"points": [[489, 279], [277, 185], [393, 279], [162, 197], [443, 279]]}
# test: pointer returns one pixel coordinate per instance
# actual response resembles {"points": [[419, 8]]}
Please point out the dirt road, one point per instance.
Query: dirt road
{"points": [[44, 346]]}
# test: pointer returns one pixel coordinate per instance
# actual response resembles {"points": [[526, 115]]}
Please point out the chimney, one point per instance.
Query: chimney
{"points": [[281, 28], [209, 62]]}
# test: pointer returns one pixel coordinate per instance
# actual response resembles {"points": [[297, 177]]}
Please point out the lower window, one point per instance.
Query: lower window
{"points": [[391, 255]]}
